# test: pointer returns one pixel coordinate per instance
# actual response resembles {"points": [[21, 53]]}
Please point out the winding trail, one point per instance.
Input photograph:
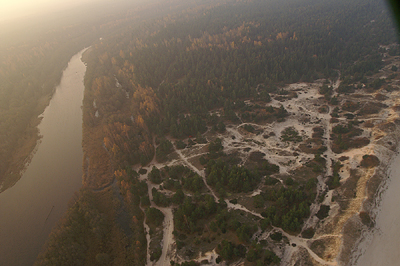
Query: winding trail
{"points": [[168, 228], [167, 236]]}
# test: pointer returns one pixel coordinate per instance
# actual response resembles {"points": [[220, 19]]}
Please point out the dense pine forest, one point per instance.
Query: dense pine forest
{"points": [[177, 68], [157, 86]]}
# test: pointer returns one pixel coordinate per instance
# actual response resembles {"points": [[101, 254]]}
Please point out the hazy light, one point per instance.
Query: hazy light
{"points": [[11, 9]]}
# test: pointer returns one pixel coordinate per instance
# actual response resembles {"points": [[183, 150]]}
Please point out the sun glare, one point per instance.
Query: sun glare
{"points": [[13, 9]]}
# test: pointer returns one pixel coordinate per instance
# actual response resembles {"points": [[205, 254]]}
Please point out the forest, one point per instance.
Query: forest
{"points": [[235, 48], [156, 88]]}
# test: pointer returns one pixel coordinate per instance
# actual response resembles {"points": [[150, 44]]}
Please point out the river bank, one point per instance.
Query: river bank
{"points": [[37, 201], [378, 243], [26, 148]]}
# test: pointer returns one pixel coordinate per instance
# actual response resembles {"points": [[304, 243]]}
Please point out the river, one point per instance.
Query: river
{"points": [[30, 209], [381, 246]]}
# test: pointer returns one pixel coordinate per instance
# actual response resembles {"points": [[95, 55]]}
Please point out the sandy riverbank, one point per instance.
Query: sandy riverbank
{"points": [[368, 185]]}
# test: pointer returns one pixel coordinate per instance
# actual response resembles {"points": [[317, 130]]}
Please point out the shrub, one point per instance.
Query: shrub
{"points": [[180, 145], [277, 236], [290, 134], [308, 233], [323, 212], [154, 216], [369, 161], [366, 219], [155, 175]]}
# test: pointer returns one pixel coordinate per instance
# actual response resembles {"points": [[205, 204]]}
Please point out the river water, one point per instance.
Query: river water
{"points": [[30, 208], [381, 246]]}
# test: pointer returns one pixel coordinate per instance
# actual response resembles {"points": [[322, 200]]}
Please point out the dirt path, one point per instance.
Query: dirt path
{"points": [[168, 228], [200, 173], [242, 208], [147, 231], [167, 236]]}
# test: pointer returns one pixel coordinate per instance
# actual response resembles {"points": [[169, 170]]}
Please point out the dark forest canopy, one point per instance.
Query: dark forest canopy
{"points": [[204, 57]]}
